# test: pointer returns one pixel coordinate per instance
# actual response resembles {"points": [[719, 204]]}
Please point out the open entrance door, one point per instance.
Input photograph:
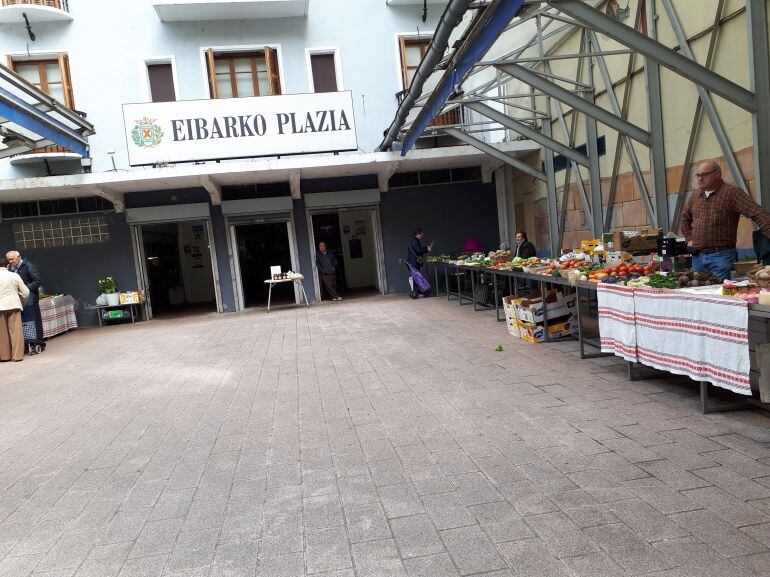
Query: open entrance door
{"points": [[352, 236], [179, 267], [258, 247]]}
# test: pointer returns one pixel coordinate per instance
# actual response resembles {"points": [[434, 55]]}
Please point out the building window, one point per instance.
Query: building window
{"points": [[161, 79], [412, 51], [36, 208], [240, 74], [51, 75], [61, 232], [323, 69]]}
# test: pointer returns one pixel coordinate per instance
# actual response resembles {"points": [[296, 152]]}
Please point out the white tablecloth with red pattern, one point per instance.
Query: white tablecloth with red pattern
{"points": [[58, 315], [704, 337]]}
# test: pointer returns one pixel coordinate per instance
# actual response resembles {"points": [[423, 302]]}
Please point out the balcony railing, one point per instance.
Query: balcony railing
{"points": [[59, 4], [449, 118]]}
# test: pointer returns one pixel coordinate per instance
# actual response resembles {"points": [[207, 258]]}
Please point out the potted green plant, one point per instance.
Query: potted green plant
{"points": [[109, 289]]}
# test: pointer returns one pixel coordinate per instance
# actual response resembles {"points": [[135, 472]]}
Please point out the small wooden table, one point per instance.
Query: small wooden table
{"points": [[295, 279]]}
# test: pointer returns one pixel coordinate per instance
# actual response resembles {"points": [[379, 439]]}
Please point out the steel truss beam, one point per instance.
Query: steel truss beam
{"points": [[622, 141], [592, 147], [630, 152], [576, 102], [529, 132], [759, 80], [655, 120], [550, 58], [705, 99], [696, 123], [492, 151], [552, 202], [657, 52]]}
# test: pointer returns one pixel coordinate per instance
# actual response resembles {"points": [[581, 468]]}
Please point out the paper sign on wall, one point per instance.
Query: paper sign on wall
{"points": [[189, 130]]}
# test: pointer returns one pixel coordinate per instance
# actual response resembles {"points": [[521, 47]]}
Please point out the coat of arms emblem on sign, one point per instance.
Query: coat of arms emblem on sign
{"points": [[146, 133]]}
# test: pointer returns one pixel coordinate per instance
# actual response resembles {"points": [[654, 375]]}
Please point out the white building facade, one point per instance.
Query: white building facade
{"points": [[201, 231]]}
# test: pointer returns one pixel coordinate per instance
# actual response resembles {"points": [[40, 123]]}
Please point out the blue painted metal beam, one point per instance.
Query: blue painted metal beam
{"points": [[16, 110], [491, 30]]}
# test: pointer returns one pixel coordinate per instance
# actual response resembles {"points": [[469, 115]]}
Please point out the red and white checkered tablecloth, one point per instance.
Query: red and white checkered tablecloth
{"points": [[58, 315]]}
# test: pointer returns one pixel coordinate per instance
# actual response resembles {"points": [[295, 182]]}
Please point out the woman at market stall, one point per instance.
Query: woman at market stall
{"points": [[416, 250]]}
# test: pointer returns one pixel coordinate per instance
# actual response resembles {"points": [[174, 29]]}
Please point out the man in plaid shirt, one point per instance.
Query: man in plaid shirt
{"points": [[709, 222]]}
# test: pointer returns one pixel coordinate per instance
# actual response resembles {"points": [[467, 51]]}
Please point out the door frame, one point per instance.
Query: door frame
{"points": [[140, 258], [235, 265], [379, 249]]}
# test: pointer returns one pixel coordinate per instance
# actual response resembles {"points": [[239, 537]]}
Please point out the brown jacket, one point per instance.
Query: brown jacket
{"points": [[13, 292]]}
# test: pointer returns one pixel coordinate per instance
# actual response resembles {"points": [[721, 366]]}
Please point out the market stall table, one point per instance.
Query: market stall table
{"points": [[58, 315], [298, 280]]}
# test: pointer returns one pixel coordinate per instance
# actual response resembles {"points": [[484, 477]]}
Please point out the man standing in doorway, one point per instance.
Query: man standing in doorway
{"points": [[13, 295], [327, 268], [31, 277], [709, 222]]}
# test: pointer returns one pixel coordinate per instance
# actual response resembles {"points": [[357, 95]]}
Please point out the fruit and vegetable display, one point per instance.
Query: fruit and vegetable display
{"points": [[501, 256], [695, 279]]}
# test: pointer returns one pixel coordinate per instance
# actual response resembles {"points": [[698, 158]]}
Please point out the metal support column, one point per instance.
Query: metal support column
{"points": [[597, 222], [655, 116], [553, 209], [759, 69]]}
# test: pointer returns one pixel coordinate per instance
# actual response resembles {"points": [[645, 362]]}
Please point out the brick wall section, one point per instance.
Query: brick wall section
{"points": [[629, 212]]}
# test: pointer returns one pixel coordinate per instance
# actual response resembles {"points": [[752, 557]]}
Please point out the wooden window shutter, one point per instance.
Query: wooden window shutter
{"points": [[64, 67], [273, 74], [402, 50], [212, 70]]}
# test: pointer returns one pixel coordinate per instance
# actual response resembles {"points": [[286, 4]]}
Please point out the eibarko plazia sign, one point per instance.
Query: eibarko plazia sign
{"points": [[195, 130]]}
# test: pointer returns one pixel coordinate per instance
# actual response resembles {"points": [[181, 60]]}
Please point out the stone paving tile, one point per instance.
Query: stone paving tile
{"points": [[383, 451], [378, 559], [448, 511], [431, 566], [367, 522], [415, 536], [718, 534]]}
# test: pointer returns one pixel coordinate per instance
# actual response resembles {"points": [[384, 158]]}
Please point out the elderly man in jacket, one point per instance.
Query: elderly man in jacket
{"points": [[327, 264], [28, 272], [13, 294]]}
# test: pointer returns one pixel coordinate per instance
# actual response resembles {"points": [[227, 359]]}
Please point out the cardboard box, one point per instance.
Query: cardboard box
{"points": [[637, 241], [676, 264], [643, 259], [530, 310], [615, 257], [744, 267], [132, 297], [511, 321], [535, 334]]}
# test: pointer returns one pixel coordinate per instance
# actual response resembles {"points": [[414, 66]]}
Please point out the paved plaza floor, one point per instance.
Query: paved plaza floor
{"points": [[378, 437]]}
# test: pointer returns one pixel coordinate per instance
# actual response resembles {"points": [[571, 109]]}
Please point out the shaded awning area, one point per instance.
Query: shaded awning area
{"points": [[589, 78], [30, 119]]}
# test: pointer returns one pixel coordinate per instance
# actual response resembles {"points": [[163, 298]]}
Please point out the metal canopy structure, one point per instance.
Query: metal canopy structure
{"points": [[528, 35], [30, 119]]}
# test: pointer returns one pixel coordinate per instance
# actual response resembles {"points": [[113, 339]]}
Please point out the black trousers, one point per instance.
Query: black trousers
{"points": [[330, 282]]}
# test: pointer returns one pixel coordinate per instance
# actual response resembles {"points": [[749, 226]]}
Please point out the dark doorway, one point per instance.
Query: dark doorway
{"points": [[326, 228], [179, 268], [261, 246]]}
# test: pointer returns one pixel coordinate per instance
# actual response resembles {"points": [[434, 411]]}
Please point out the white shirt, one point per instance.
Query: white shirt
{"points": [[708, 192]]}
